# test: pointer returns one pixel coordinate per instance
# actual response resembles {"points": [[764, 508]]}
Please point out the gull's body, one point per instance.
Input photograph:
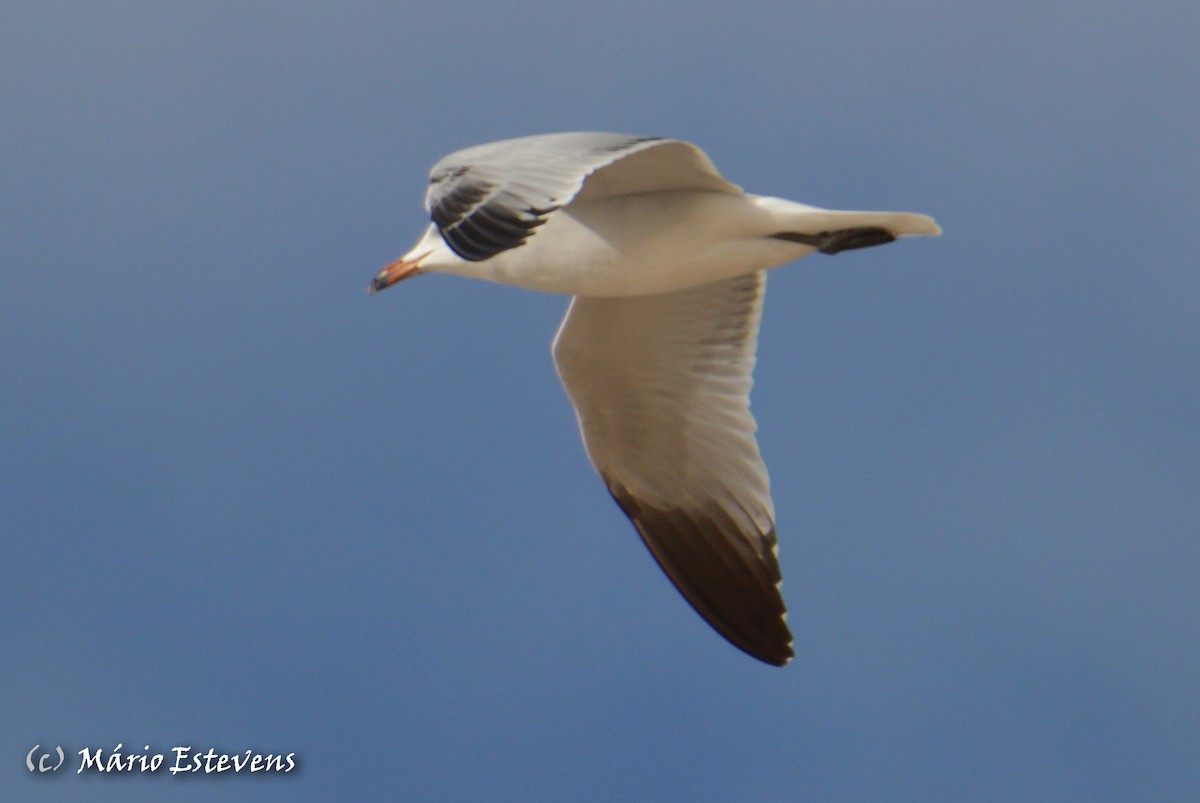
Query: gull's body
{"points": [[666, 261]]}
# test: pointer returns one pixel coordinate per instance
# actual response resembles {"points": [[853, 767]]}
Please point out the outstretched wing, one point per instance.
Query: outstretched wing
{"points": [[661, 387], [492, 197]]}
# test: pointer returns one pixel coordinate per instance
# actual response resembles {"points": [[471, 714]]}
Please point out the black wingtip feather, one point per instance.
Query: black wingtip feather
{"points": [[835, 242], [734, 592]]}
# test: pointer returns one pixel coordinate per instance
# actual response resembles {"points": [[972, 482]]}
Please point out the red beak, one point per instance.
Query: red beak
{"points": [[397, 271]]}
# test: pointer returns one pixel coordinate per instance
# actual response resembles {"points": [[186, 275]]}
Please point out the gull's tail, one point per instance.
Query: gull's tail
{"points": [[832, 231]]}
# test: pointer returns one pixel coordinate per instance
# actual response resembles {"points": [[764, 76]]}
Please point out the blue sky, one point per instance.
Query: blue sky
{"points": [[245, 506]]}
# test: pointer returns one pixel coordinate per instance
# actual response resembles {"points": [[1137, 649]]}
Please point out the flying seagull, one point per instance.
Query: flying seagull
{"points": [[666, 261]]}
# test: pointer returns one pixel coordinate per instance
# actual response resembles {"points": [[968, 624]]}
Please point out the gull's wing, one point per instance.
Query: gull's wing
{"points": [[492, 197], [661, 386]]}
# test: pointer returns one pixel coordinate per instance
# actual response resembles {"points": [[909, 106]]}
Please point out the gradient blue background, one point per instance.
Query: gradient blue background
{"points": [[244, 505]]}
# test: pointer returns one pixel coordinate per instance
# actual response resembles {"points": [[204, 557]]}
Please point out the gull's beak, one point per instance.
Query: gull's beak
{"points": [[401, 269]]}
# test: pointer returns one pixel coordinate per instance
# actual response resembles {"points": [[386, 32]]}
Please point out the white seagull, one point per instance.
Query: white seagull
{"points": [[666, 261]]}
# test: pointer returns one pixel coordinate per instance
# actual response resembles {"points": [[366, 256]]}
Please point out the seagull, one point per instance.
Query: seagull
{"points": [[666, 264]]}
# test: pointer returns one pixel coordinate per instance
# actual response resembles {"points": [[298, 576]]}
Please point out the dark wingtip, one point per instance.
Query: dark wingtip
{"points": [[773, 652], [769, 650], [781, 658], [835, 242], [737, 594], [850, 239]]}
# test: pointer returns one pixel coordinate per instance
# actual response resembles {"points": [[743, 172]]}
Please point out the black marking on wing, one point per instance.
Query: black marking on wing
{"points": [[834, 242], [729, 578], [480, 215], [477, 221]]}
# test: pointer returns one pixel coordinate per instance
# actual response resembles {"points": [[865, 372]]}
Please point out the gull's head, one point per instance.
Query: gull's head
{"points": [[427, 256]]}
